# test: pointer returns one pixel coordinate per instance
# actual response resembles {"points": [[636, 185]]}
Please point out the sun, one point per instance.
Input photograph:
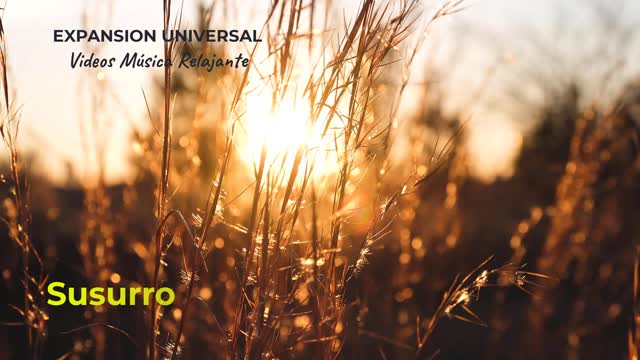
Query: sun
{"points": [[284, 128]]}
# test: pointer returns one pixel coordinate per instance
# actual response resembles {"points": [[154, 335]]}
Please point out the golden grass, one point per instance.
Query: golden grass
{"points": [[298, 196]]}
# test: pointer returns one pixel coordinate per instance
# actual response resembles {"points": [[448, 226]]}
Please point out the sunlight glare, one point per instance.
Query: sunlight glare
{"points": [[284, 128]]}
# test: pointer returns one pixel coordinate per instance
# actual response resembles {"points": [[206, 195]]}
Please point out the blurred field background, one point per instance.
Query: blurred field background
{"points": [[437, 179]]}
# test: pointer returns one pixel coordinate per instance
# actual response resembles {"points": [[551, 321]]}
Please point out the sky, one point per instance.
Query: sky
{"points": [[49, 91]]}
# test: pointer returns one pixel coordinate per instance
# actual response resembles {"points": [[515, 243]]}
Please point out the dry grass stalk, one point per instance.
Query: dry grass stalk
{"points": [[33, 276]]}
